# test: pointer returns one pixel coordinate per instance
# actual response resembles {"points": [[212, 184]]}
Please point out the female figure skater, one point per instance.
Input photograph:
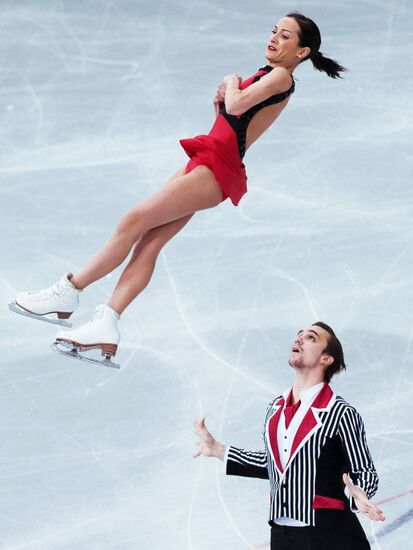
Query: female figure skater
{"points": [[244, 110]]}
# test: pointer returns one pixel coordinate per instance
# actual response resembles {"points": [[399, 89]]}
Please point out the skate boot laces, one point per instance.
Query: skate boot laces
{"points": [[97, 316], [99, 311], [55, 290]]}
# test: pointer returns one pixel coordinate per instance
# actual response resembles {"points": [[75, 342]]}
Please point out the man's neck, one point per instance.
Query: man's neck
{"points": [[303, 381]]}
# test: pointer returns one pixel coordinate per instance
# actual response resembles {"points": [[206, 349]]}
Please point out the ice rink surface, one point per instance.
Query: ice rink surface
{"points": [[94, 97]]}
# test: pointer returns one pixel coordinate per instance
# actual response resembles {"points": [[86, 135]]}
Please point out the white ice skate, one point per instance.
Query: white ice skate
{"points": [[61, 299], [100, 333]]}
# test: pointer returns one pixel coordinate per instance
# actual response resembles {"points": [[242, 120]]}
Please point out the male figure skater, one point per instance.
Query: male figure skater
{"points": [[316, 455]]}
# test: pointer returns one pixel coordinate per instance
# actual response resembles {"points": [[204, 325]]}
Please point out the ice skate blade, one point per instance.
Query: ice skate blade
{"points": [[64, 348], [17, 309]]}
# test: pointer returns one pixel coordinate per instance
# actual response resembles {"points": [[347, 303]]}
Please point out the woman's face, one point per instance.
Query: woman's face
{"points": [[283, 46]]}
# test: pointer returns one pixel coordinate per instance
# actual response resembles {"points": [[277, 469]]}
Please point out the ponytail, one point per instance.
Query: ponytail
{"points": [[309, 36], [326, 65]]}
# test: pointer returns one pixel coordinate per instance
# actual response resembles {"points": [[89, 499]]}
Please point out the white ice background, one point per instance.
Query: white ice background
{"points": [[94, 96]]}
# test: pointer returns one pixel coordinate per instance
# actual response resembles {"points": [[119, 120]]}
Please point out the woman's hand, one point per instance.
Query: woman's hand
{"points": [[207, 444], [219, 97], [220, 93], [361, 501], [233, 79]]}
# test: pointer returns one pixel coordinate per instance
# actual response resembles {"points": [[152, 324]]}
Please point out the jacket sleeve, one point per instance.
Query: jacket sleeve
{"points": [[353, 437], [246, 463]]}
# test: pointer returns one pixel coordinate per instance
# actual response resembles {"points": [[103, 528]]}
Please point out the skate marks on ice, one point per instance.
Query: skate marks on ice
{"points": [[13, 306], [70, 350]]}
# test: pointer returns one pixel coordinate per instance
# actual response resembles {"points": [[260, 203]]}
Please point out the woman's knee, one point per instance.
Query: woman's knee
{"points": [[131, 226]]}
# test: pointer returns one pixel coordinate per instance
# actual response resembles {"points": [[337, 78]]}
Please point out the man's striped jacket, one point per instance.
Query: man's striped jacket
{"points": [[329, 441]]}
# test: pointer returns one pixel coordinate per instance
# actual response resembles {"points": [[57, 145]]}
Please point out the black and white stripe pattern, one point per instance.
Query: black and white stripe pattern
{"points": [[248, 463], [293, 491]]}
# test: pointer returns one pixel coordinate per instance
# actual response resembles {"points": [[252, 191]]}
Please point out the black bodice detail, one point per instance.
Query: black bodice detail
{"points": [[240, 123]]}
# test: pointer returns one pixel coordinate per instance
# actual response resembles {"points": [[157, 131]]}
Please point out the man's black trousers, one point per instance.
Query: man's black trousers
{"points": [[334, 530]]}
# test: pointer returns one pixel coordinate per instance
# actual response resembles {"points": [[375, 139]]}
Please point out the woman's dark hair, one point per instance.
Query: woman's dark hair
{"points": [[310, 37], [335, 349]]}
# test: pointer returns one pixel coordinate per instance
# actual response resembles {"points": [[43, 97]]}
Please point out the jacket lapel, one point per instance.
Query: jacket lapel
{"points": [[271, 429], [311, 421]]}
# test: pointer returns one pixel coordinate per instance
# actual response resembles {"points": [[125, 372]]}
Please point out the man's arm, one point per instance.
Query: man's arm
{"points": [[246, 463], [238, 461], [360, 501], [363, 482]]}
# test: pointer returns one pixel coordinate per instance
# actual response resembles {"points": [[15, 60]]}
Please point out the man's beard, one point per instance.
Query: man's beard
{"points": [[296, 363]]}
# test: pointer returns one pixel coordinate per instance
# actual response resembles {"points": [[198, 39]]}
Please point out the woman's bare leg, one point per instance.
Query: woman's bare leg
{"points": [[139, 270], [180, 197]]}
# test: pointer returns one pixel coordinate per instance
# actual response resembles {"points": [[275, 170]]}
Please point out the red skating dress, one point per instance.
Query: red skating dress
{"points": [[223, 149]]}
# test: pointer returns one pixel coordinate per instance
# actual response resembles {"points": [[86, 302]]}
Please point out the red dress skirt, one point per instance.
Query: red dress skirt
{"points": [[219, 152]]}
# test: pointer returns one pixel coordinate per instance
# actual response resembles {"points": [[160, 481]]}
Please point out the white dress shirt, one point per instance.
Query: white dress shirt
{"points": [[285, 436]]}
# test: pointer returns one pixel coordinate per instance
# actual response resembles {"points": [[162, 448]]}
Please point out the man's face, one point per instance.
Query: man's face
{"points": [[307, 352]]}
